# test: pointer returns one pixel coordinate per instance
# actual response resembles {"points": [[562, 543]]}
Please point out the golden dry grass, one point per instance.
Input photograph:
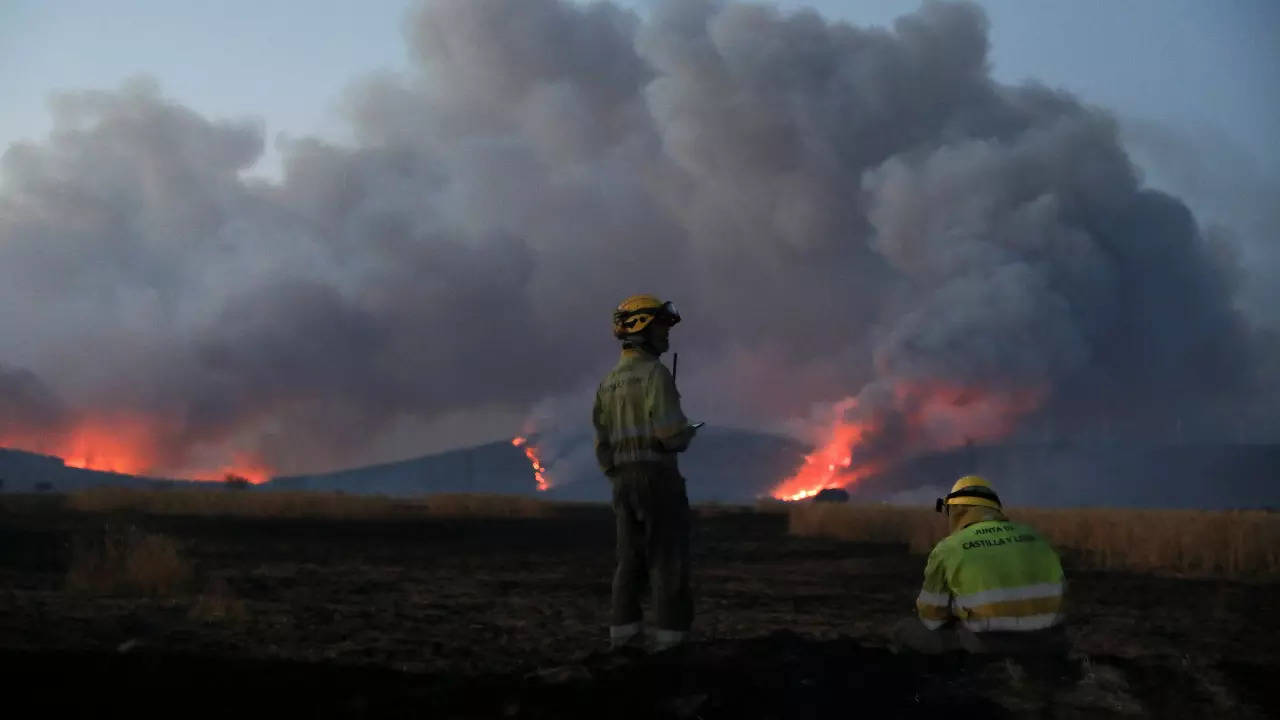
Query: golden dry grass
{"points": [[918, 528], [124, 559], [1228, 543], [273, 504]]}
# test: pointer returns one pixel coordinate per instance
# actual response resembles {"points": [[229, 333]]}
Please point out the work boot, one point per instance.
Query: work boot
{"points": [[626, 636], [667, 639]]}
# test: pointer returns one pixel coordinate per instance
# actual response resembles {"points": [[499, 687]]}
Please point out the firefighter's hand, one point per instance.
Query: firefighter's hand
{"points": [[680, 441]]}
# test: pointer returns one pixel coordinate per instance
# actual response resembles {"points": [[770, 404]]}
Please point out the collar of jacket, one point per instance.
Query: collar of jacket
{"points": [[971, 514]]}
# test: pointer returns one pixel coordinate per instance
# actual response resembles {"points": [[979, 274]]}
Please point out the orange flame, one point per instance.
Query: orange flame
{"points": [[116, 444], [831, 465], [128, 445], [531, 452], [937, 416]]}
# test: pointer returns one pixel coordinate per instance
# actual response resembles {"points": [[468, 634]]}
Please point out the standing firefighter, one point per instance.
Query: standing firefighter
{"points": [[639, 429], [991, 586]]}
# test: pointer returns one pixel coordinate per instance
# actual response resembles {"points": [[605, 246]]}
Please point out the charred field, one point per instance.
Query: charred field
{"points": [[505, 617]]}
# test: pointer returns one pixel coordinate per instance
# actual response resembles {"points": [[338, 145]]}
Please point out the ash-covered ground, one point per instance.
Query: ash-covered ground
{"points": [[506, 618]]}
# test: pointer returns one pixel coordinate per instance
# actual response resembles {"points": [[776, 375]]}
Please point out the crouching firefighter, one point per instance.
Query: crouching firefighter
{"points": [[639, 428], [991, 586]]}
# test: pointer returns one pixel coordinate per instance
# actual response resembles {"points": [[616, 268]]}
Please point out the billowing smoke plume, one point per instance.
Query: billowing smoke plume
{"points": [[838, 211]]}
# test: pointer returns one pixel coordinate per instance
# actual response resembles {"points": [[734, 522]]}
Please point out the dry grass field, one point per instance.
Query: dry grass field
{"points": [[1237, 544], [214, 501], [324, 605], [125, 560]]}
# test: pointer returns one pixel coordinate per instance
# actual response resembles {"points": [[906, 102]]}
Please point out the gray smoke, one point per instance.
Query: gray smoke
{"points": [[27, 407], [837, 210]]}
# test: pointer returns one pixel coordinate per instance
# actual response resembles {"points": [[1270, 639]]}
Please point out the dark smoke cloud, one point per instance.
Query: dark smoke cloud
{"points": [[838, 210], [1231, 191], [27, 405]]}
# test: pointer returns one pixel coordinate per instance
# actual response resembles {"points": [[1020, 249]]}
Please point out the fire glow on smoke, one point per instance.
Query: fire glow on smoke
{"points": [[831, 464], [531, 452], [931, 416], [125, 445]]}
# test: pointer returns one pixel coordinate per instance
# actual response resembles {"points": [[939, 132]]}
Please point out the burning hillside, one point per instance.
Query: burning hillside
{"points": [[119, 445], [862, 438], [128, 446], [535, 462], [830, 465]]}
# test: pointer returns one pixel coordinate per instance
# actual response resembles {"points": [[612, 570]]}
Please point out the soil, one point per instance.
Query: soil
{"points": [[507, 618]]}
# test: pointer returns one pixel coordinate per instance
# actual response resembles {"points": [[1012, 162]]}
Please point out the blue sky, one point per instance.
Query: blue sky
{"points": [[1203, 68]]}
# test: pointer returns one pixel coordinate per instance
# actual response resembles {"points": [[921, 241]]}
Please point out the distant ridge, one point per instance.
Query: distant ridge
{"points": [[1187, 476], [22, 471], [740, 466], [728, 465], [723, 465]]}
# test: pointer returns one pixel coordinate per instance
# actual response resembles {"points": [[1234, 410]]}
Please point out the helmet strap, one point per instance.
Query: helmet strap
{"points": [[641, 342], [978, 492]]}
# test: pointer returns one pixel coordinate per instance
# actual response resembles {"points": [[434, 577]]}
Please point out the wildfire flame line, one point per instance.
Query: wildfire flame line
{"points": [[831, 465], [531, 452], [935, 416], [126, 445]]}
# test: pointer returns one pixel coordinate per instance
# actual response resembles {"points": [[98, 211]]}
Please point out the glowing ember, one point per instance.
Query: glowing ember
{"points": [[531, 452]]}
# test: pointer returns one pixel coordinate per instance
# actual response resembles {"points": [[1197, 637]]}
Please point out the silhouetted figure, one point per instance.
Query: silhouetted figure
{"points": [[639, 428]]}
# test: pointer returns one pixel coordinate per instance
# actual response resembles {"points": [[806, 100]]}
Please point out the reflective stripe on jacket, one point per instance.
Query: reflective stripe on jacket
{"points": [[637, 413], [993, 576]]}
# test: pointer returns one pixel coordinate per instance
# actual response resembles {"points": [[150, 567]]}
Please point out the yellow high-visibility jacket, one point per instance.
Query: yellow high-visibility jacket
{"points": [[637, 415], [994, 575]]}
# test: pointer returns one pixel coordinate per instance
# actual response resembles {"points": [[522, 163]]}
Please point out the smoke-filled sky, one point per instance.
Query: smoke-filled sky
{"points": [[854, 215]]}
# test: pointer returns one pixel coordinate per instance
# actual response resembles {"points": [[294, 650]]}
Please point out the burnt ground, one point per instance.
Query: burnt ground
{"points": [[506, 618]]}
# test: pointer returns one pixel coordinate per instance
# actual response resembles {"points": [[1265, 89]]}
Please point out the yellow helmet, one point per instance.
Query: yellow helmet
{"points": [[970, 490], [638, 312]]}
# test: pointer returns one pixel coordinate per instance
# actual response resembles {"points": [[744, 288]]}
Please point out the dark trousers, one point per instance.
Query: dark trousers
{"points": [[652, 512]]}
